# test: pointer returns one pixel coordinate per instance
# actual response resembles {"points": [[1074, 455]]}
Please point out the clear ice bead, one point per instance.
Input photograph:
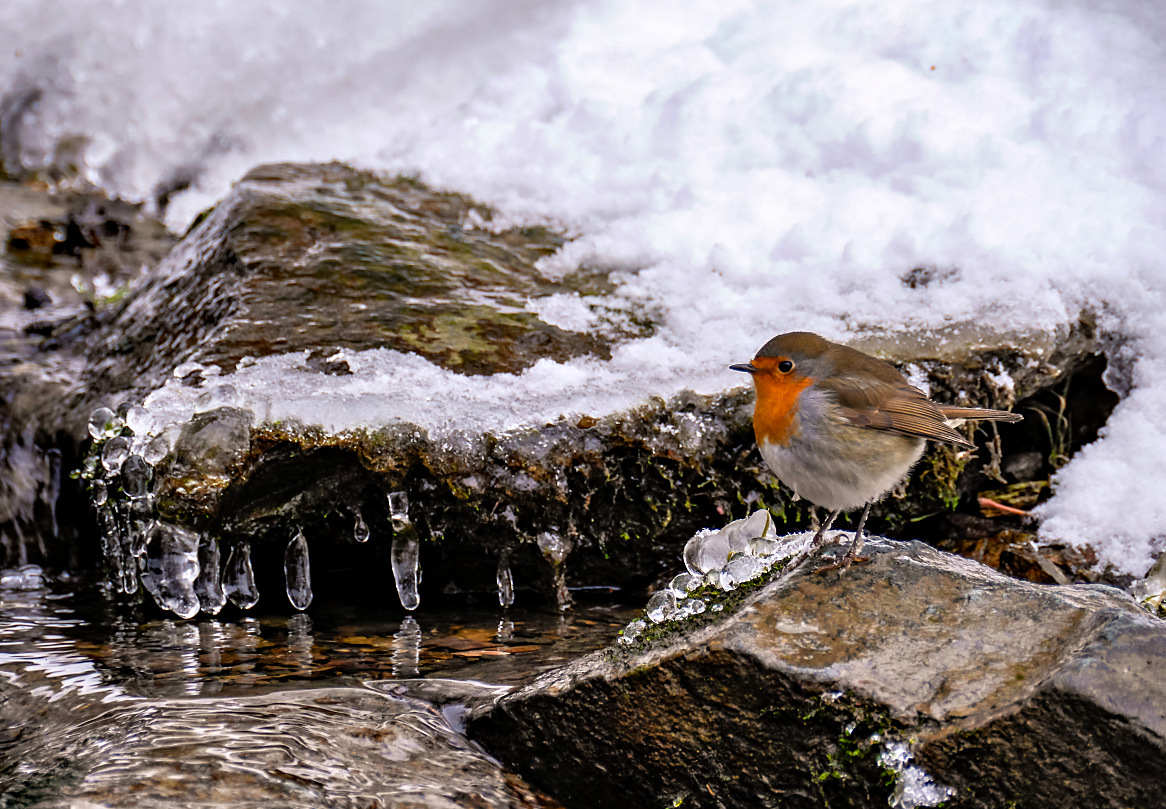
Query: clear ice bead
{"points": [[209, 584], [99, 493], [239, 577], [554, 547], [360, 530], [661, 606], [404, 556], [505, 581], [632, 632], [171, 568], [762, 547], [102, 423], [156, 450], [136, 475], [297, 572], [706, 551], [135, 418], [684, 583], [691, 606], [739, 570], [114, 453], [216, 397]]}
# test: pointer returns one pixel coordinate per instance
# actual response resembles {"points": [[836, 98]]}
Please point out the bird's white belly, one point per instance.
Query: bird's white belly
{"points": [[847, 472]]}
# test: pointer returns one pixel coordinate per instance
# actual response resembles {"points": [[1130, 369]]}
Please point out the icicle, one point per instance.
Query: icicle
{"points": [[139, 517], [406, 572], [555, 549], [405, 552], [360, 530], [53, 488], [297, 572], [239, 578], [406, 655], [114, 453], [171, 568], [505, 580], [399, 510], [209, 584]]}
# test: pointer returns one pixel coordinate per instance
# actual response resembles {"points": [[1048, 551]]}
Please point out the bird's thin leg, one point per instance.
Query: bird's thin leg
{"points": [[856, 546], [820, 537]]}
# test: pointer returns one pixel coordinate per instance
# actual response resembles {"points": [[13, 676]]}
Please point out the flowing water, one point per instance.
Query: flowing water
{"points": [[115, 704]]}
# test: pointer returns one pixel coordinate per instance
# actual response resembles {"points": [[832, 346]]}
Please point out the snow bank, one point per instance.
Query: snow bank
{"points": [[754, 167]]}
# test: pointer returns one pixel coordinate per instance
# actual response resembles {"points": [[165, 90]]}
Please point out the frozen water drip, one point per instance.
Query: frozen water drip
{"points": [[505, 580], [209, 584], [239, 577], [171, 567], [360, 530], [405, 553], [555, 548], [114, 453], [297, 572]]}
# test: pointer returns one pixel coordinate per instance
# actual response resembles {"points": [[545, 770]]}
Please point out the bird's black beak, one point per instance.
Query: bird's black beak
{"points": [[747, 367]]}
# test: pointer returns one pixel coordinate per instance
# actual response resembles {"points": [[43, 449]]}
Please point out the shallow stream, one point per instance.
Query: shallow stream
{"points": [[109, 703]]}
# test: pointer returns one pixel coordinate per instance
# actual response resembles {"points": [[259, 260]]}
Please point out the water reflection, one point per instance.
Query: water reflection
{"points": [[124, 704], [407, 649]]}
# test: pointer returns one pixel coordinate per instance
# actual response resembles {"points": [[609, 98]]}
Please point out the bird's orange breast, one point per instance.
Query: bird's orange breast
{"points": [[775, 414]]}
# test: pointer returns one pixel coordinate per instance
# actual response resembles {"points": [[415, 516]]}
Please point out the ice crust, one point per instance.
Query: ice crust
{"points": [[754, 168]]}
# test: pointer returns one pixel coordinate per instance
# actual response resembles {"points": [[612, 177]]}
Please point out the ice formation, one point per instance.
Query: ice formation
{"points": [[405, 552], [239, 577], [725, 559], [914, 787], [297, 572]]}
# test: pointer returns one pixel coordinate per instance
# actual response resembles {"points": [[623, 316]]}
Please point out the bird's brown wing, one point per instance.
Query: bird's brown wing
{"points": [[894, 407], [956, 412]]}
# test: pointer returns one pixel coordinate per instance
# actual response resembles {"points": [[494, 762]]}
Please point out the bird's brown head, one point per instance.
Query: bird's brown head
{"points": [[782, 369]]}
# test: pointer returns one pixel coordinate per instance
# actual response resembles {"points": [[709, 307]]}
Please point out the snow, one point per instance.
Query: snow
{"points": [[751, 168]]}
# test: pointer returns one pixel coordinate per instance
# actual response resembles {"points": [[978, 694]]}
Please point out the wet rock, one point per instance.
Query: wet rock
{"points": [[66, 261], [321, 278], [919, 676], [319, 747]]}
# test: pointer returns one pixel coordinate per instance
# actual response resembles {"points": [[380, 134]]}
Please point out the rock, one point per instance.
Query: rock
{"points": [[299, 321], [67, 259], [316, 747], [962, 684]]}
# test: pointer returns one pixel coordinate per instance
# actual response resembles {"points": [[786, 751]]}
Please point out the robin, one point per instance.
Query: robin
{"points": [[840, 427]]}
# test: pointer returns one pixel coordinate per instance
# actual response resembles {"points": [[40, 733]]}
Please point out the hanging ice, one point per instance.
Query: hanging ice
{"points": [[135, 476], [209, 584], [554, 547], [239, 578], [405, 552], [156, 450], [139, 517], [505, 581], [171, 568], [399, 510], [297, 572], [360, 530], [102, 423], [114, 453]]}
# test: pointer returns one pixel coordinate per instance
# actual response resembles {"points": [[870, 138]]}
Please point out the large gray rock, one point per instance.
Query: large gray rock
{"points": [[824, 686]]}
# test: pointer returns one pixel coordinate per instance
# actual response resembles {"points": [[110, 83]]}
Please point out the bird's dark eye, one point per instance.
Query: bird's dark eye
{"points": [[785, 366]]}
